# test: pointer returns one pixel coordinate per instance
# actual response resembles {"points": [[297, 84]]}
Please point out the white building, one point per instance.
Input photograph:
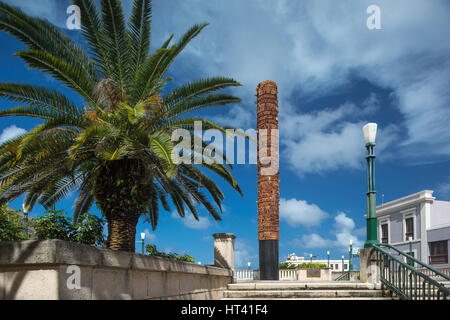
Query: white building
{"points": [[335, 265], [421, 218]]}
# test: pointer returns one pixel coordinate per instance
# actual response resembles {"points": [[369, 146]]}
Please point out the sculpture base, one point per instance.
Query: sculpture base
{"points": [[268, 260]]}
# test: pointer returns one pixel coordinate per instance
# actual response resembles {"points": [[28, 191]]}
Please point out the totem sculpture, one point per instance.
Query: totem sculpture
{"points": [[268, 179]]}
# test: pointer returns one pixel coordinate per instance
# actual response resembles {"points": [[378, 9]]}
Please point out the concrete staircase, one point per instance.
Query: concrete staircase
{"points": [[280, 290]]}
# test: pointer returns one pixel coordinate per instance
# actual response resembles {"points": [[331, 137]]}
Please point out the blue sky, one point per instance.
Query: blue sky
{"points": [[334, 75]]}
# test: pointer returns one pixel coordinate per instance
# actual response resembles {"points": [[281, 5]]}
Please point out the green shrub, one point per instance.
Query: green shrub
{"points": [[287, 266], [152, 251], [304, 265], [89, 230], [11, 225], [55, 225], [309, 265]]}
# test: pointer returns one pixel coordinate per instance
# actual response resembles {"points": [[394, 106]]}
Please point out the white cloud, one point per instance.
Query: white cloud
{"points": [[312, 241], [310, 48], [343, 231], [322, 151], [10, 132], [331, 139], [52, 10], [299, 212], [149, 236], [237, 116], [190, 222]]}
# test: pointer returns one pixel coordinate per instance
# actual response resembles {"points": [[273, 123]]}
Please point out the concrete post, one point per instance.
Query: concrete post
{"points": [[368, 266], [224, 250]]}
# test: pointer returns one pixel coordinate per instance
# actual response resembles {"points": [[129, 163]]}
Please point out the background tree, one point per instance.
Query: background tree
{"points": [[153, 251], [11, 225], [115, 147], [56, 225]]}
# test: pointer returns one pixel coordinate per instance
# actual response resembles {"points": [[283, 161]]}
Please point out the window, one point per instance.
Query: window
{"points": [[438, 252], [409, 228], [336, 266], [345, 266], [384, 233]]}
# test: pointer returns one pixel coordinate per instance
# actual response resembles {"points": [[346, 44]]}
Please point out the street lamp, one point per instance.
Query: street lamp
{"points": [[328, 255], [370, 133], [249, 265], [342, 263], [143, 240], [25, 212], [350, 267], [310, 256]]}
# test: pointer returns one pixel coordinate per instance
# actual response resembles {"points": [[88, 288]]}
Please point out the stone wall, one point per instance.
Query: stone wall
{"points": [[48, 270]]}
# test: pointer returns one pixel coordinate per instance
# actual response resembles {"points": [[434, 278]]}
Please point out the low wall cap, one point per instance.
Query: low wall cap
{"points": [[224, 236]]}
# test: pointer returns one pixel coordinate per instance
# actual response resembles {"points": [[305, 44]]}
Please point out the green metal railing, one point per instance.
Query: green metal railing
{"points": [[405, 280], [343, 277], [430, 270]]}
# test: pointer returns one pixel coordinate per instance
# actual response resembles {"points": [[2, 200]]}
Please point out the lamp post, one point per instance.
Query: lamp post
{"points": [[342, 263], [370, 133], [143, 240], [249, 264], [328, 255], [25, 212], [350, 267], [310, 257]]}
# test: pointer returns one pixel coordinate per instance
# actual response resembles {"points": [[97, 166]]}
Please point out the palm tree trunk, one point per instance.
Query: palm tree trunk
{"points": [[122, 231], [115, 193]]}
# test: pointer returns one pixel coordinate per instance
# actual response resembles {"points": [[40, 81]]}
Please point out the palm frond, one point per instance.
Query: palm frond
{"points": [[181, 44], [93, 32], [39, 34], [147, 75], [162, 146], [84, 200], [197, 88], [60, 70], [40, 96], [140, 32], [117, 39], [211, 100]]}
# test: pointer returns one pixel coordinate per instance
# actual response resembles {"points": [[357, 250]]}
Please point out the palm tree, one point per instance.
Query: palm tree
{"points": [[115, 147]]}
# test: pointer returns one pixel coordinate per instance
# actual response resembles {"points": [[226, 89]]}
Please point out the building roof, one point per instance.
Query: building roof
{"points": [[405, 202]]}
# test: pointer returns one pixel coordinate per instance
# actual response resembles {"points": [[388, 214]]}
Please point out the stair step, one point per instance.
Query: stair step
{"points": [[317, 298], [245, 294], [301, 286]]}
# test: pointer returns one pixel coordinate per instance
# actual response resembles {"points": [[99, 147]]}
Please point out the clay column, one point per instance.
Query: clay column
{"points": [[268, 179]]}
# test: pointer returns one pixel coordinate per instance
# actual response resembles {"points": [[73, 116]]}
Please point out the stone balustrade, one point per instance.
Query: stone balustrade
{"points": [[314, 274]]}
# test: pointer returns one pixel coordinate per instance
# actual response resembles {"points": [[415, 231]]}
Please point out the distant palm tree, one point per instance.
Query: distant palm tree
{"points": [[115, 148]]}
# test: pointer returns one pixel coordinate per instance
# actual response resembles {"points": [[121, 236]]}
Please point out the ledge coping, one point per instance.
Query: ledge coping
{"points": [[57, 252]]}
